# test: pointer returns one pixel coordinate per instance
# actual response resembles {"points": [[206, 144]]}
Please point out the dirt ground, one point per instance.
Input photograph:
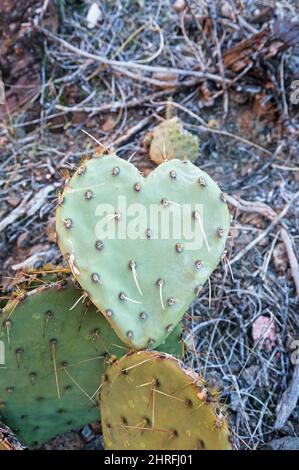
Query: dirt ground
{"points": [[228, 70]]}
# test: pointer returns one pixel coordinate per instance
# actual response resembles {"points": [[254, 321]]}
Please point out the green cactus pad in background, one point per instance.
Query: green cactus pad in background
{"points": [[54, 358], [140, 277], [170, 140], [174, 343], [148, 401]]}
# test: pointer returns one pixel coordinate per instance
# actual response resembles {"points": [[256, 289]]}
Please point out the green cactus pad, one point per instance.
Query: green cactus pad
{"points": [[148, 401], [54, 358], [174, 343], [140, 277], [170, 140]]}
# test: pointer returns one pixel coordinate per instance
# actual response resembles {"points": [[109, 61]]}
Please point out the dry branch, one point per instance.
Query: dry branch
{"points": [[133, 65], [27, 208]]}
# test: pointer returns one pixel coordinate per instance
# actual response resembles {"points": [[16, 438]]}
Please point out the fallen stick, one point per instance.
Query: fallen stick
{"points": [[30, 262], [113, 106], [260, 237], [252, 207], [130, 132], [133, 65], [27, 208]]}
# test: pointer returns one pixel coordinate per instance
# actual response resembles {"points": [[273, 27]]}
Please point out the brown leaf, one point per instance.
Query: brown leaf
{"points": [[264, 332], [109, 124], [13, 200]]}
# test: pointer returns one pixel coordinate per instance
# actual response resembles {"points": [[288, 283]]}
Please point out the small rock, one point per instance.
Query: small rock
{"points": [[179, 6], [3, 139], [227, 10], [93, 16], [264, 333]]}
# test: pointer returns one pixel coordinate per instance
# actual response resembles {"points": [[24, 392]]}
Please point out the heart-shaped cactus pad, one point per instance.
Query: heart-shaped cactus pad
{"points": [[141, 248]]}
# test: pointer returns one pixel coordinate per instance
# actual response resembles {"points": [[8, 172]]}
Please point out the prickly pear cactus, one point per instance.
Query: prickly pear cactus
{"points": [[56, 346], [8, 441], [148, 401], [170, 140], [142, 248], [53, 358]]}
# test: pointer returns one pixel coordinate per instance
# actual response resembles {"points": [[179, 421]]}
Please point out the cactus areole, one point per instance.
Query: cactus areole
{"points": [[142, 248]]}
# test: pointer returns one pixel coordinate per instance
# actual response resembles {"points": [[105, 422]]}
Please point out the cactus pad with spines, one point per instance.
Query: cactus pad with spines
{"points": [[141, 278], [148, 401], [54, 358], [170, 140]]}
